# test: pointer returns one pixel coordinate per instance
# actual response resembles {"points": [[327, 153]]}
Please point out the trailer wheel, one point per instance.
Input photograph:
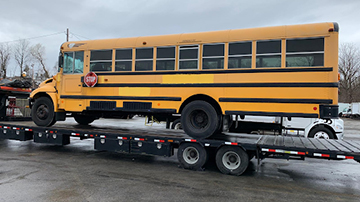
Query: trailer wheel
{"points": [[192, 156], [176, 124], [84, 120], [199, 119], [42, 113], [321, 132], [232, 160]]}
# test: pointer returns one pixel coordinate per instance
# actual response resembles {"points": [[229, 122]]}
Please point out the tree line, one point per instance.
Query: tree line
{"points": [[26, 58], [349, 69]]}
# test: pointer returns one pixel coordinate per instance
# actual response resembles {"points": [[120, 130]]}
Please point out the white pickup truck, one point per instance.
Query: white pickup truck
{"points": [[306, 127]]}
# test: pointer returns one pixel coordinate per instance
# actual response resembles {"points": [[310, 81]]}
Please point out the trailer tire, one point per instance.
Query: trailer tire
{"points": [[199, 119], [42, 113], [192, 156], [176, 124], [84, 120], [232, 160], [321, 132]]}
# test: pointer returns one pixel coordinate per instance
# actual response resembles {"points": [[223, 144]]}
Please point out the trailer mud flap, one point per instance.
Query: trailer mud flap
{"points": [[15, 134], [112, 144], [51, 137], [152, 148]]}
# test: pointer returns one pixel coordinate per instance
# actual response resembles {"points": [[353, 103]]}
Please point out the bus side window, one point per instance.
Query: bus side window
{"points": [[268, 53], [305, 52], [101, 60]]}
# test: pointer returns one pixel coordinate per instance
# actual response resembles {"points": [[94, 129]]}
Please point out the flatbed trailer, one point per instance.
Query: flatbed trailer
{"points": [[233, 151]]}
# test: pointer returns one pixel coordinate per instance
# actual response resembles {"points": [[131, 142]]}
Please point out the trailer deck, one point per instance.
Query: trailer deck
{"points": [[162, 142]]}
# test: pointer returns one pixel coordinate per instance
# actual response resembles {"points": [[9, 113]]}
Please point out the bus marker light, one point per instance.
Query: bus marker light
{"points": [[315, 108]]}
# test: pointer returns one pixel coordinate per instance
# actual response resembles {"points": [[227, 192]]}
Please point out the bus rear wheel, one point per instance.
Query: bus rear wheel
{"points": [[199, 119], [42, 113]]}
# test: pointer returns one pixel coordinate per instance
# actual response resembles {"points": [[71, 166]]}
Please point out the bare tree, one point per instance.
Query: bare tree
{"points": [[22, 54], [5, 52], [349, 68], [38, 53]]}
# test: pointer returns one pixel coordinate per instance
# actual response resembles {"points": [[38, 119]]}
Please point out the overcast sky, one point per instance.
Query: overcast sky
{"points": [[100, 19]]}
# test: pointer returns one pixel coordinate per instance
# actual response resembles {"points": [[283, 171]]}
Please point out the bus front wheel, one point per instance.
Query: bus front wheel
{"points": [[42, 113], [199, 119]]}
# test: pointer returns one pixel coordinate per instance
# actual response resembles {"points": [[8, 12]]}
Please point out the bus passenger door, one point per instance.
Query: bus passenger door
{"points": [[71, 80]]}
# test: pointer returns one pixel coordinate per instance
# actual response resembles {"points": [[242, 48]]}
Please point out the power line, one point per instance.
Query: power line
{"points": [[36, 37], [76, 35]]}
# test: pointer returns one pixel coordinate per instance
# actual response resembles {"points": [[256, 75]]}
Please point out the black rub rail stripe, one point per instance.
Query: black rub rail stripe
{"points": [[311, 69], [292, 85], [281, 114], [121, 98], [276, 100]]}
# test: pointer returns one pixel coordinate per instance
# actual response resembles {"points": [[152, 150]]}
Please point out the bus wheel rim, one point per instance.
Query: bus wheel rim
{"points": [[42, 112], [231, 160], [191, 155], [199, 119]]}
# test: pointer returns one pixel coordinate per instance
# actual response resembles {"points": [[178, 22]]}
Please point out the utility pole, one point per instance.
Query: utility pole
{"points": [[67, 34]]}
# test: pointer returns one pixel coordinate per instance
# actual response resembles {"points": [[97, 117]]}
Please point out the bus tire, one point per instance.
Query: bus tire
{"points": [[84, 120], [321, 132], [42, 113], [192, 156], [199, 119], [232, 160], [176, 124]]}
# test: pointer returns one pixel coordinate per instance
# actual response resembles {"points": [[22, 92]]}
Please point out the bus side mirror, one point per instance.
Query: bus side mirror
{"points": [[61, 60]]}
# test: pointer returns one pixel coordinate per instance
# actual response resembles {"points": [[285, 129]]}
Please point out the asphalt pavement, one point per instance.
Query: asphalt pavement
{"points": [[38, 172]]}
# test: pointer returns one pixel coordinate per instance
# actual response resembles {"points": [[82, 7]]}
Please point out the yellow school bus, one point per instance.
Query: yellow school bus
{"points": [[287, 71]]}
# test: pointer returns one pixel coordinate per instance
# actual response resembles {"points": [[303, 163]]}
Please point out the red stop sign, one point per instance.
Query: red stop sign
{"points": [[90, 79]]}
